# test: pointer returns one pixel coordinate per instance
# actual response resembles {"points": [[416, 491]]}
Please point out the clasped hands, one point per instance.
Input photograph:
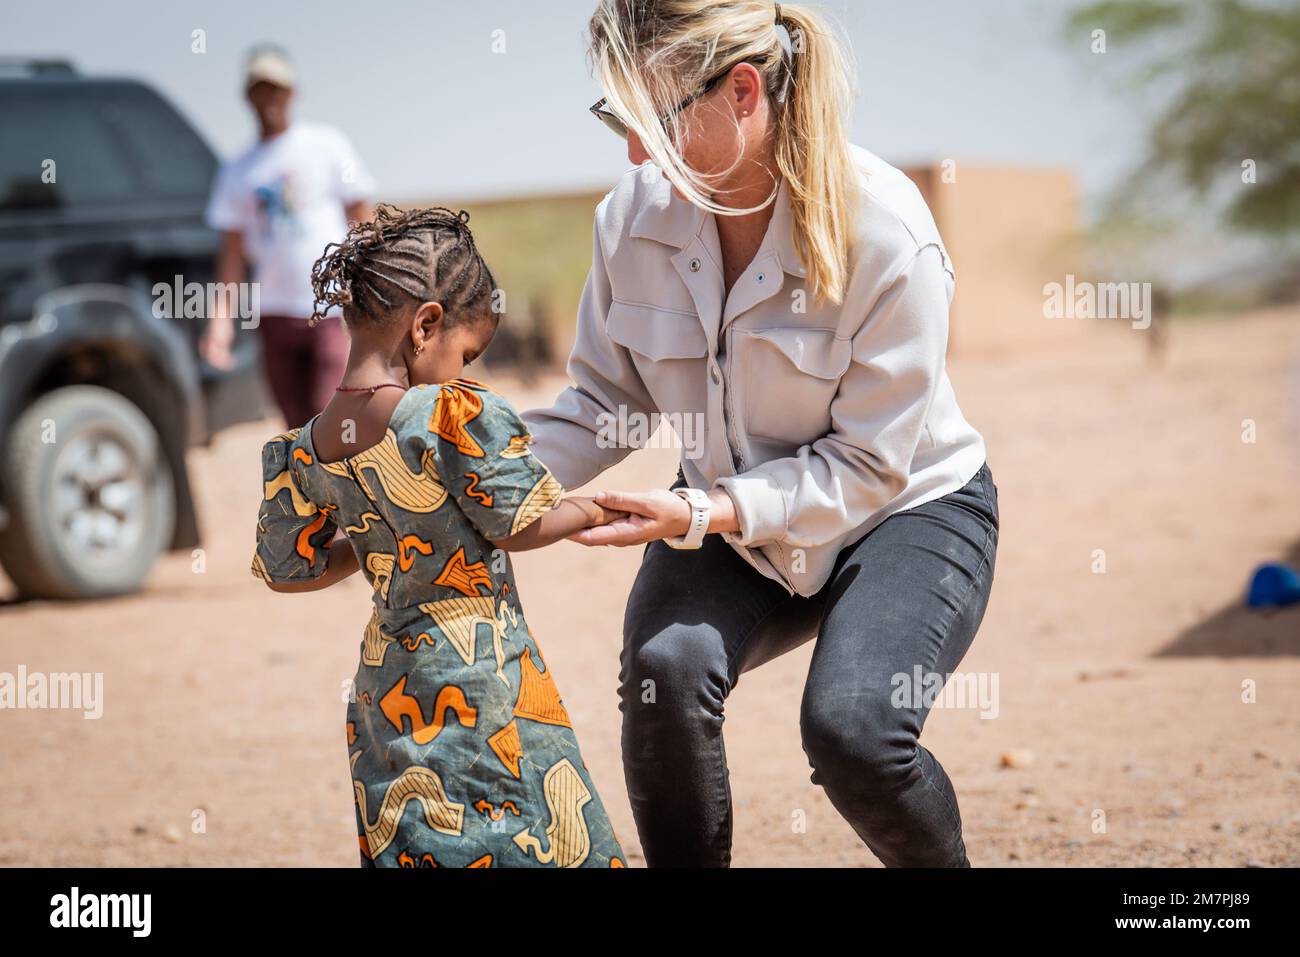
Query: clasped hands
{"points": [[632, 518]]}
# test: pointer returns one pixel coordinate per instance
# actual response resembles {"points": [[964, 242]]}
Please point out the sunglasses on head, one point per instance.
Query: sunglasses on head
{"points": [[600, 109]]}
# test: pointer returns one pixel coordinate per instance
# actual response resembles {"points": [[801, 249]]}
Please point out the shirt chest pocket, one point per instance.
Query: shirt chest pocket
{"points": [[788, 377], [668, 350]]}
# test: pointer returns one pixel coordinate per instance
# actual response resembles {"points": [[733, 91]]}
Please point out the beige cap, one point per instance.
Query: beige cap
{"points": [[268, 64]]}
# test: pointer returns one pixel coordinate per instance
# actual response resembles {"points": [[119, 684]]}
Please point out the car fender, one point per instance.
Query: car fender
{"points": [[119, 320]]}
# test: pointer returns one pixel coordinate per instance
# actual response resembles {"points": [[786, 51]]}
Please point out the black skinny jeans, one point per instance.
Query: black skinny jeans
{"points": [[910, 592]]}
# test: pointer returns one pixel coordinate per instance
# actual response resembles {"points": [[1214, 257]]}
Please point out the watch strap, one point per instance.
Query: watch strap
{"points": [[700, 505]]}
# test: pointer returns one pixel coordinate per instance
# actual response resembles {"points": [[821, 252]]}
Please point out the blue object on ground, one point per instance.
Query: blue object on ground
{"points": [[1273, 584]]}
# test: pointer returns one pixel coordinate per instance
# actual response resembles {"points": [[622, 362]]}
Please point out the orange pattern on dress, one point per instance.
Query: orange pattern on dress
{"points": [[539, 699], [305, 548], [407, 859], [396, 704], [473, 491], [406, 546], [454, 408], [495, 812], [423, 638], [464, 577], [507, 746]]}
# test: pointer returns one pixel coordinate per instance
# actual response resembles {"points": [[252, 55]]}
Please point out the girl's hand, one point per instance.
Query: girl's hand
{"points": [[595, 514], [650, 515]]}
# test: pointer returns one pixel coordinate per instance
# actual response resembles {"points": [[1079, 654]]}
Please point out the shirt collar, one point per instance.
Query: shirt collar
{"points": [[667, 218], [780, 231]]}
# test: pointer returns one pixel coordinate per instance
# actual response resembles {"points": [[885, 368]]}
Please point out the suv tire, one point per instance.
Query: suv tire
{"points": [[90, 498]]}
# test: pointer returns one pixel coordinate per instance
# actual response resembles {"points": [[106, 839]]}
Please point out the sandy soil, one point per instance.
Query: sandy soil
{"points": [[1125, 688]]}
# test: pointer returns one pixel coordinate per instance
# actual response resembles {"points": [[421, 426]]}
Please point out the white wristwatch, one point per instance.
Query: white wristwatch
{"points": [[700, 504]]}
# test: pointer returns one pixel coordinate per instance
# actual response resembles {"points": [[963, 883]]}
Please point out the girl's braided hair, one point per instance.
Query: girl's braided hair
{"points": [[422, 255]]}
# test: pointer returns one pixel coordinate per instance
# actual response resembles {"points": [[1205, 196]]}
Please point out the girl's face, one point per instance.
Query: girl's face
{"points": [[446, 350]]}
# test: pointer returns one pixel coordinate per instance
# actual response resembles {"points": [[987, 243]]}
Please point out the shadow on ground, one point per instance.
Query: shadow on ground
{"points": [[1237, 631]]}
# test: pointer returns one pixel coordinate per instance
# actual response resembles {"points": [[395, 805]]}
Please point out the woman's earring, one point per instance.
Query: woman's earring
{"points": [[419, 348]]}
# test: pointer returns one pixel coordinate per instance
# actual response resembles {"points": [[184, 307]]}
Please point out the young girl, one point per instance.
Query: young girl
{"points": [[462, 753]]}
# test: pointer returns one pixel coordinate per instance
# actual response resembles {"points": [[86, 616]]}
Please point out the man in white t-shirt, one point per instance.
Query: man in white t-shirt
{"points": [[277, 207]]}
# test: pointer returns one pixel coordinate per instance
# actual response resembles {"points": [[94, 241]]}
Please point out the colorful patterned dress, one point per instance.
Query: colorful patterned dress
{"points": [[462, 752]]}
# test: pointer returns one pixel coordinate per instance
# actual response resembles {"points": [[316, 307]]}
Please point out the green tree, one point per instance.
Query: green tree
{"points": [[1228, 75]]}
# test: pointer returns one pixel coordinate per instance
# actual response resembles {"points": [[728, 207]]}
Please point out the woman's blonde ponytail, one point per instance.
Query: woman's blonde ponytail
{"points": [[649, 55], [812, 151]]}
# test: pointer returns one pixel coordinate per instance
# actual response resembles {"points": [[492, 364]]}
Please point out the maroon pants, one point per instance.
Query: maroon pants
{"points": [[303, 365]]}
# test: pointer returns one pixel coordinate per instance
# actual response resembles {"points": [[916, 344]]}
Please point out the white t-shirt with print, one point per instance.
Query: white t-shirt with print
{"points": [[286, 196]]}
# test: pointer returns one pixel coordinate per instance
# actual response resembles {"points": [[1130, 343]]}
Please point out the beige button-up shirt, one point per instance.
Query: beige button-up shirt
{"points": [[820, 421]]}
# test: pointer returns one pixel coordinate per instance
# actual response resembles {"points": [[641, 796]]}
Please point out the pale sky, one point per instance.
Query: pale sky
{"points": [[436, 113]]}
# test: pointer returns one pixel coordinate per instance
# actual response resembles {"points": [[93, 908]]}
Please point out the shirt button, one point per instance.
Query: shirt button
{"points": [[760, 277], [717, 376], [695, 265]]}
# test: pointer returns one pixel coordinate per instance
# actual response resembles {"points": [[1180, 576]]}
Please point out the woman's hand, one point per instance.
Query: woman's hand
{"points": [[650, 515]]}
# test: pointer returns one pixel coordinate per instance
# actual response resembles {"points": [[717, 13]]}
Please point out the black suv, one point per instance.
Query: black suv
{"points": [[102, 190]]}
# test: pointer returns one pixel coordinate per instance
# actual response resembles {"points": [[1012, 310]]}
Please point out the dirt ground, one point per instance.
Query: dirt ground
{"points": [[1125, 688]]}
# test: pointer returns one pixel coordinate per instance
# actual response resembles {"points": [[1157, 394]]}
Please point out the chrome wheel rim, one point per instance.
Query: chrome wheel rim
{"points": [[98, 497]]}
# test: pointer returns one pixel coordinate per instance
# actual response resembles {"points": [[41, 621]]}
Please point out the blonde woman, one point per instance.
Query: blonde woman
{"points": [[786, 295]]}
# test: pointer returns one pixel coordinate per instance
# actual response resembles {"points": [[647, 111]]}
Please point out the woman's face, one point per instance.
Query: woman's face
{"points": [[719, 129]]}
